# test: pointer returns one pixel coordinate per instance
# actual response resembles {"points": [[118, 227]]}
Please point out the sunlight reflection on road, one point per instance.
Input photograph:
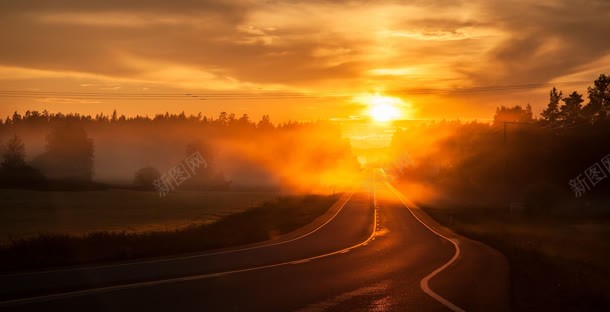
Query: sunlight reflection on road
{"points": [[376, 292]]}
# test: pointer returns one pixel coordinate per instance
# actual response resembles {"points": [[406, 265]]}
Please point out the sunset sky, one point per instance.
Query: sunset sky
{"points": [[298, 60]]}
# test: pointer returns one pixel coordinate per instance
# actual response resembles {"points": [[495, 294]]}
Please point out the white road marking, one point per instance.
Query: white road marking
{"points": [[91, 291], [424, 283], [300, 261], [345, 199]]}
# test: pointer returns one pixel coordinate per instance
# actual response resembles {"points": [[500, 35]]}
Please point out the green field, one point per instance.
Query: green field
{"points": [[25, 213]]}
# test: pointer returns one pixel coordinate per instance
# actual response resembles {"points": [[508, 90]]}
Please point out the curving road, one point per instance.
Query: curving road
{"points": [[370, 252]]}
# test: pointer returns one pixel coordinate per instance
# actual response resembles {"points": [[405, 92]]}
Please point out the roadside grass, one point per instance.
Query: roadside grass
{"points": [[557, 263], [257, 224], [28, 213]]}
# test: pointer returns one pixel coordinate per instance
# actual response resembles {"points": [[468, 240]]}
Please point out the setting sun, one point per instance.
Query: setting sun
{"points": [[383, 108], [384, 112]]}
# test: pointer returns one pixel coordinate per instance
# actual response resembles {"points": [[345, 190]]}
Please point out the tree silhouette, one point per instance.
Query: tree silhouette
{"points": [[244, 123], [145, 177], [202, 173], [14, 171], [223, 119], [598, 108], [16, 118], [69, 154], [571, 110], [14, 153], [552, 114], [513, 114], [207, 174], [265, 123]]}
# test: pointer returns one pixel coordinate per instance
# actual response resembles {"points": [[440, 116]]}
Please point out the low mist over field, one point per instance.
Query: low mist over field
{"points": [[238, 152]]}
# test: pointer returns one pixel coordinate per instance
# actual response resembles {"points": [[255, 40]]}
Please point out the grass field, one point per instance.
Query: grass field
{"points": [[266, 221], [557, 263], [25, 213]]}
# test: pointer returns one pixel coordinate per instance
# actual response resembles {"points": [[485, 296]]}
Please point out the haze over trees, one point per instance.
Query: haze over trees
{"points": [[511, 187], [207, 175], [145, 177], [14, 171], [68, 154], [516, 114], [525, 156], [528, 163], [239, 152]]}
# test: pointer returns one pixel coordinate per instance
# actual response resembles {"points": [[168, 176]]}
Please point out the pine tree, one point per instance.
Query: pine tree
{"points": [[571, 111], [552, 114], [16, 117], [265, 123], [598, 108]]}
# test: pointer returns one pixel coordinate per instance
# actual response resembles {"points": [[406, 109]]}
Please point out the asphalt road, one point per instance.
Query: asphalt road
{"points": [[370, 252]]}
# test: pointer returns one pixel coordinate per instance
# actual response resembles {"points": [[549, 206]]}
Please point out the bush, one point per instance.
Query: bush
{"points": [[144, 178]]}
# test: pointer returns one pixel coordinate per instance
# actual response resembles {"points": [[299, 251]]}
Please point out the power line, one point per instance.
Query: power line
{"points": [[494, 88], [264, 95]]}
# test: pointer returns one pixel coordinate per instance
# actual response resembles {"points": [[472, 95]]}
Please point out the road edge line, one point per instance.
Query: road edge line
{"points": [[199, 255], [424, 283], [76, 293]]}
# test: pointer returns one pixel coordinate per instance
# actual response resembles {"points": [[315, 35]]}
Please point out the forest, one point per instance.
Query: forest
{"points": [[45, 150], [532, 163]]}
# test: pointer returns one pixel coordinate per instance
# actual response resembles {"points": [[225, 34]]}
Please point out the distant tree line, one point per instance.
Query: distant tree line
{"points": [[565, 111], [224, 119], [68, 157], [69, 152]]}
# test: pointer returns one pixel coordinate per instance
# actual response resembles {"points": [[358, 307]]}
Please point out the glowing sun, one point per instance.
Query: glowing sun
{"points": [[384, 108]]}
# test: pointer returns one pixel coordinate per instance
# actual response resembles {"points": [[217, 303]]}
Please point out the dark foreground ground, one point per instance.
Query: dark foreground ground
{"points": [[557, 263], [371, 254], [260, 223]]}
